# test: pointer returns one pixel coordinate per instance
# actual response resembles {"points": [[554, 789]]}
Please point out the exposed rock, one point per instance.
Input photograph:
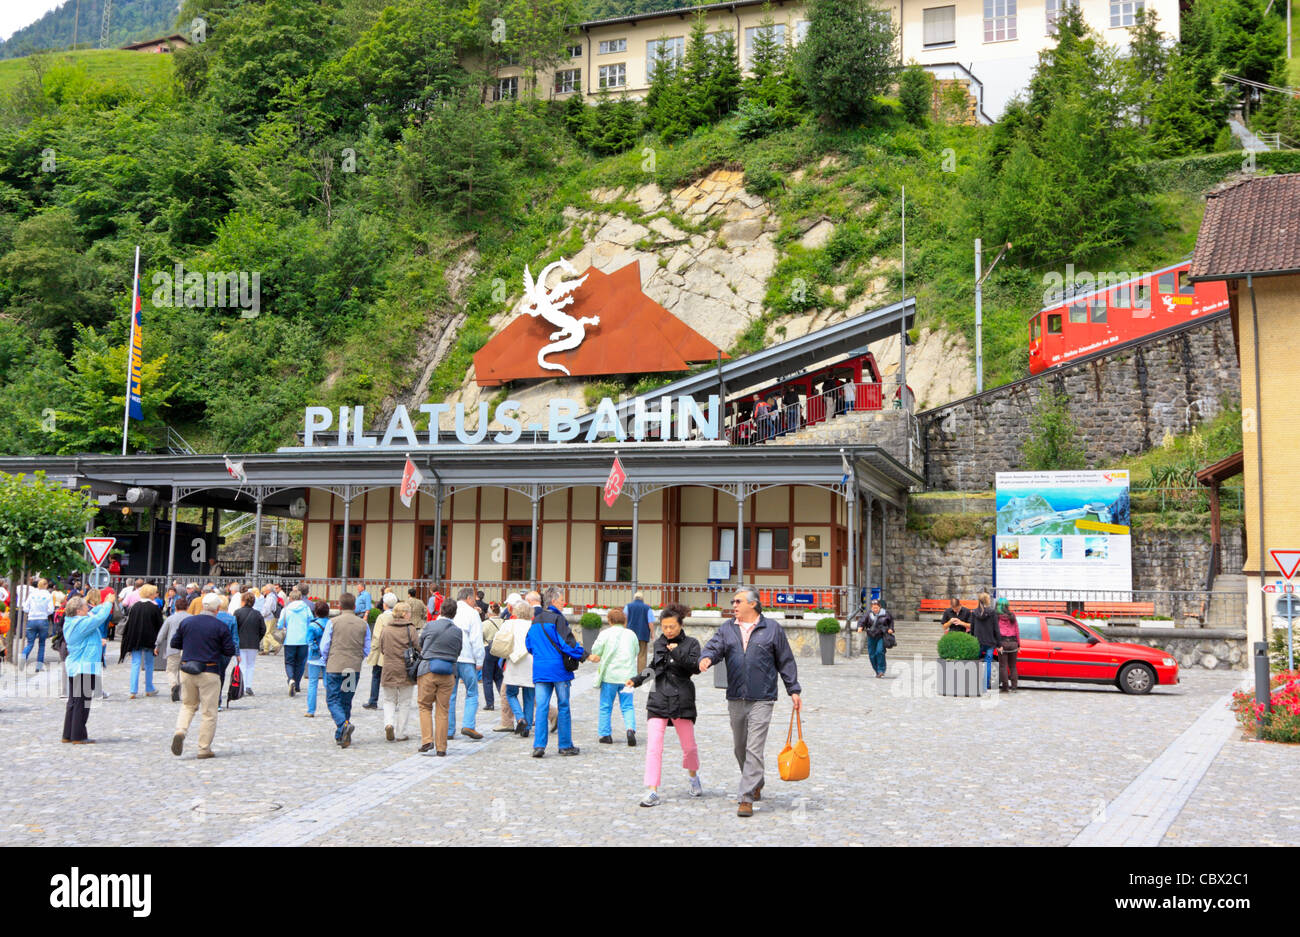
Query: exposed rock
{"points": [[736, 232], [606, 196], [648, 197], [817, 235]]}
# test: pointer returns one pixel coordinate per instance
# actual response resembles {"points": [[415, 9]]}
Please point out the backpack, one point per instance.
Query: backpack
{"points": [[236, 690]]}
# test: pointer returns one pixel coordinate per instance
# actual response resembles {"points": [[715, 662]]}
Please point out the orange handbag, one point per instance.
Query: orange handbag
{"points": [[793, 761]]}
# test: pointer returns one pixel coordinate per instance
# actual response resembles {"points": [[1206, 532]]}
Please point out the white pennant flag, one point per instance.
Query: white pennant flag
{"points": [[411, 480], [236, 469]]}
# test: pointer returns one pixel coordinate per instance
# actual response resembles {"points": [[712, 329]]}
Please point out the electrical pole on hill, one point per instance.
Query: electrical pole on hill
{"points": [[979, 310], [103, 24]]}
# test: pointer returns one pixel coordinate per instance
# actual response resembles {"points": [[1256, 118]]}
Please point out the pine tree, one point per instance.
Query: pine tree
{"points": [[849, 56], [915, 89]]}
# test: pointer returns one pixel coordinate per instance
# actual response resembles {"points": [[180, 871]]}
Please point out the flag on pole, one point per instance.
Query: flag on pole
{"points": [[236, 469], [614, 484], [411, 481], [137, 352]]}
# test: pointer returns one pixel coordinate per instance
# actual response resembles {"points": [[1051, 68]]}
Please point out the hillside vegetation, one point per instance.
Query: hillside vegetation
{"points": [[343, 151]]}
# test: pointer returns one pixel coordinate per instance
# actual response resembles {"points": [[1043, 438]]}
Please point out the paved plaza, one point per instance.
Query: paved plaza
{"points": [[892, 764]]}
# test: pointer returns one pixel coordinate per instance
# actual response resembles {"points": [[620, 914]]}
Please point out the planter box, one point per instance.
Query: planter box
{"points": [[827, 645], [706, 613], [960, 678], [1155, 623]]}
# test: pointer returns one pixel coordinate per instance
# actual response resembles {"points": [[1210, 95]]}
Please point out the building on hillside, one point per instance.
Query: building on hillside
{"points": [[1250, 238], [988, 46], [172, 43]]}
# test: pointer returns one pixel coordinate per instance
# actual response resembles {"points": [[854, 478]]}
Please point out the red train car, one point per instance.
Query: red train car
{"points": [[1091, 322]]}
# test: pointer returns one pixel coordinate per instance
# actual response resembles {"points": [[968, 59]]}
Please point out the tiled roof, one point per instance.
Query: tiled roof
{"points": [[1252, 227]]}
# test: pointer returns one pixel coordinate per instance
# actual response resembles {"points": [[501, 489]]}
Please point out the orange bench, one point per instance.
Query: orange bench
{"points": [[1124, 610], [939, 606], [1026, 605]]}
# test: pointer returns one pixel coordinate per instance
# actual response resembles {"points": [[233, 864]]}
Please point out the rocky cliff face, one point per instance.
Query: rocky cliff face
{"points": [[705, 252]]}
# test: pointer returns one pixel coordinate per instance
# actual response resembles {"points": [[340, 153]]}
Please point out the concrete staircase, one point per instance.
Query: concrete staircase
{"points": [[914, 637], [1227, 607]]}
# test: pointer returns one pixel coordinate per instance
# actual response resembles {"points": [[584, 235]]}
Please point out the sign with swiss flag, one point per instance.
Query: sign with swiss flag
{"points": [[614, 484], [411, 479], [1288, 561], [99, 547]]}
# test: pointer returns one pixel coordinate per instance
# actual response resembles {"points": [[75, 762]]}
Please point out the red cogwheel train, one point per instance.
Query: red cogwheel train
{"points": [[1089, 322]]}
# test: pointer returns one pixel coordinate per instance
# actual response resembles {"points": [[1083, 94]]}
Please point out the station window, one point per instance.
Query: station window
{"points": [[727, 546], [1099, 309], [1079, 312], [1185, 285], [1054, 324], [773, 548], [520, 553], [354, 552], [428, 544], [616, 554]]}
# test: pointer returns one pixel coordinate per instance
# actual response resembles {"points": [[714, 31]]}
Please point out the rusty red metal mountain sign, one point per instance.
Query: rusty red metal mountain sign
{"points": [[594, 325]]}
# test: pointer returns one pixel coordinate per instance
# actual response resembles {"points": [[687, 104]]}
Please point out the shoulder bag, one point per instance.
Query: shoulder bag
{"points": [[570, 662], [503, 642], [411, 659], [793, 762]]}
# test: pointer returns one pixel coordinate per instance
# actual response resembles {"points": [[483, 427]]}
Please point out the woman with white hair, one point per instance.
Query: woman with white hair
{"points": [[519, 667], [139, 634]]}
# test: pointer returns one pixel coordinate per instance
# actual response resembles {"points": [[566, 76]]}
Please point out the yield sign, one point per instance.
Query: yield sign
{"points": [[1288, 561], [614, 484], [99, 547]]}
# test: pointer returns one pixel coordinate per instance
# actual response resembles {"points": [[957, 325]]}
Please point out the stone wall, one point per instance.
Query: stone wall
{"points": [[1205, 648], [1122, 405]]}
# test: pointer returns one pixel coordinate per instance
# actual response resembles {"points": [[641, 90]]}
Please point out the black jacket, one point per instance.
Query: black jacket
{"points": [[205, 639], [884, 622], [674, 694], [984, 625], [252, 628], [752, 671], [143, 622], [962, 614]]}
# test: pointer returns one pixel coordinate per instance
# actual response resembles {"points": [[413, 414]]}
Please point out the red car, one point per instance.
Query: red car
{"points": [[1058, 648]]}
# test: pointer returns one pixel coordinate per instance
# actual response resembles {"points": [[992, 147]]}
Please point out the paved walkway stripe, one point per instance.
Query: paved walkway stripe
{"points": [[302, 824], [1145, 810]]}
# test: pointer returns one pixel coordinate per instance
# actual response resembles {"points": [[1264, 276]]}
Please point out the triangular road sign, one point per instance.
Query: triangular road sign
{"points": [[1288, 561], [99, 547]]}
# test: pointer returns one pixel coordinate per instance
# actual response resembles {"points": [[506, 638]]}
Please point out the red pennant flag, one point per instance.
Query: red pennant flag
{"points": [[411, 480], [614, 484]]}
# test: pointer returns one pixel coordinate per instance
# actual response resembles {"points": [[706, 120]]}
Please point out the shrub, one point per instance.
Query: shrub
{"points": [[958, 645], [590, 620], [1284, 726], [828, 626], [914, 91]]}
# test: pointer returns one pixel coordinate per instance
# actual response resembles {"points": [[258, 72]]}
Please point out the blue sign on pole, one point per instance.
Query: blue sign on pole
{"points": [[796, 598], [875, 593]]}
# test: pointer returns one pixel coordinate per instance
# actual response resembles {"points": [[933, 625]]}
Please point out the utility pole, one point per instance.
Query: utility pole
{"points": [[103, 24], [979, 310], [76, 21]]}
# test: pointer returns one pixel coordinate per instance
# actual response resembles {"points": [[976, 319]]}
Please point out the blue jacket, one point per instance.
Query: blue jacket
{"points": [[752, 672], [548, 666], [83, 634], [294, 620], [229, 621], [364, 603], [315, 631]]}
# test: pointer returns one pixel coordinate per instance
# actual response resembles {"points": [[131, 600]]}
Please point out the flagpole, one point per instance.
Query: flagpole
{"points": [[130, 347]]}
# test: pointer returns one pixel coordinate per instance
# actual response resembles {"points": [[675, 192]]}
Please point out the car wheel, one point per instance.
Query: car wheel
{"points": [[1136, 679]]}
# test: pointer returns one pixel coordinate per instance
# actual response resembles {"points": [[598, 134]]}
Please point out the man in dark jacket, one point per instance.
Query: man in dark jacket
{"points": [[957, 612], [877, 623], [343, 647], [203, 640], [751, 684], [984, 625], [440, 643], [640, 617]]}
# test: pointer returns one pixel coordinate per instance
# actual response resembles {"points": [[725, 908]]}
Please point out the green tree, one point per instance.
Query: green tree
{"points": [[41, 529], [455, 160], [849, 56], [670, 109], [1052, 443], [53, 284], [1147, 61], [1249, 43], [915, 90]]}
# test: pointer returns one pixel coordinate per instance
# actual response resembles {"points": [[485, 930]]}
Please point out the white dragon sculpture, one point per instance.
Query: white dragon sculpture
{"points": [[548, 303]]}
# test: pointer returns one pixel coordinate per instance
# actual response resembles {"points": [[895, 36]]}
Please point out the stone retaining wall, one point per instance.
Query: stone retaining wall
{"points": [[1204, 648], [1122, 405]]}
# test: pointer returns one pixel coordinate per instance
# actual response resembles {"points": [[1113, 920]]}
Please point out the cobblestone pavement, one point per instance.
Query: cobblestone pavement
{"points": [[892, 764]]}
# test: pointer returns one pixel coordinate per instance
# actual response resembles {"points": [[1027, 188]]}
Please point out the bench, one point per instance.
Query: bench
{"points": [[939, 606], [1124, 611], [1026, 605]]}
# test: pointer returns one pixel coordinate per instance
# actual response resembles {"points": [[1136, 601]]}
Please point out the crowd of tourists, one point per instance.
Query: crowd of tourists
{"points": [[433, 659]]}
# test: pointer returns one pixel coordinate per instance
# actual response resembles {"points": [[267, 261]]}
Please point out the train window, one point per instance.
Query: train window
{"points": [[1035, 328], [1078, 313], [1185, 286], [1054, 324], [1142, 296], [1120, 298], [1099, 309], [1166, 283]]}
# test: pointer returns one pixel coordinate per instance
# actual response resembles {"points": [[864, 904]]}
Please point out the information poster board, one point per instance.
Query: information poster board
{"points": [[1065, 531]]}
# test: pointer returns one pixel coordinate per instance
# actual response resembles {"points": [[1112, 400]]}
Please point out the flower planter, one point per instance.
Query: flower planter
{"points": [[1155, 623], [813, 616], [827, 643], [706, 613], [960, 678]]}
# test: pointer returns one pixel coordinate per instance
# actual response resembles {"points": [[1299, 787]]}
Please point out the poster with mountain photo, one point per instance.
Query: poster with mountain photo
{"points": [[1061, 534]]}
